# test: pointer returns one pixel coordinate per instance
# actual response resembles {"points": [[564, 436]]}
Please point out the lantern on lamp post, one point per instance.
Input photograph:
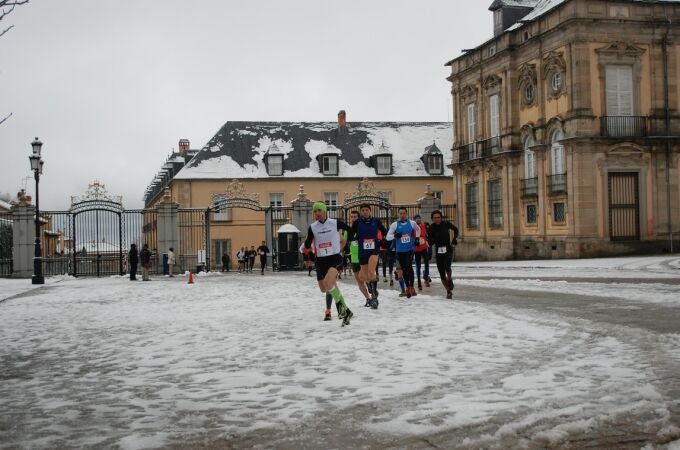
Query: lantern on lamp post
{"points": [[37, 168]]}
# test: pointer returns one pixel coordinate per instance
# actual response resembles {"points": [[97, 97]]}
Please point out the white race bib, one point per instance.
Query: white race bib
{"points": [[325, 248], [369, 244], [405, 238], [441, 250]]}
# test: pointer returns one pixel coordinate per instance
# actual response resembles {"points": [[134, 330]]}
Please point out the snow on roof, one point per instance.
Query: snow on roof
{"points": [[544, 6], [288, 228], [238, 149], [517, 3]]}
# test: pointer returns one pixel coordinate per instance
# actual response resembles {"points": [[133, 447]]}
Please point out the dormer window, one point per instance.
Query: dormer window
{"points": [[329, 164], [381, 160], [433, 160], [383, 164], [435, 165], [275, 165], [273, 161]]}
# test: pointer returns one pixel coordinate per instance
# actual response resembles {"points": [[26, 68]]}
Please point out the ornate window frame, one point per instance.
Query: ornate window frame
{"points": [[528, 86], [555, 67], [620, 53]]}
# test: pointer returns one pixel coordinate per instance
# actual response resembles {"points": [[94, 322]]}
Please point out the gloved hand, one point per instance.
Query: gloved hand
{"points": [[417, 241], [454, 242], [397, 234]]}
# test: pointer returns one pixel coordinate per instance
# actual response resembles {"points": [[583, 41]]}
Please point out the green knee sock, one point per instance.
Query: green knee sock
{"points": [[337, 295]]}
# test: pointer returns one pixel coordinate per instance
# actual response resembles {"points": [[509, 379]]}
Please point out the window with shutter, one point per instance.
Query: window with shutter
{"points": [[495, 118], [557, 153], [619, 90], [529, 158], [472, 123]]}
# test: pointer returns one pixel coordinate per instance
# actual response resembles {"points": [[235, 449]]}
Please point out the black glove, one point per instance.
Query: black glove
{"points": [[397, 234], [417, 241], [454, 242]]}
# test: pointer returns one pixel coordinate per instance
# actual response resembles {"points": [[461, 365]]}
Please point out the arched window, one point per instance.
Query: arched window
{"points": [[529, 158], [557, 153]]}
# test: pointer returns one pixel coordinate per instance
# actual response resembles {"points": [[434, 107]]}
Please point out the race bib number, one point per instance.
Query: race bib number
{"points": [[369, 244], [262, 253], [405, 238], [441, 250], [325, 248]]}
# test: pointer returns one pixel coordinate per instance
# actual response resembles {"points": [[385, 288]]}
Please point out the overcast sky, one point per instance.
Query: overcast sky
{"points": [[110, 87]]}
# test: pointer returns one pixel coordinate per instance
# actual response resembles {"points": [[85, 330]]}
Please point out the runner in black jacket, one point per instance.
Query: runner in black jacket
{"points": [[438, 236]]}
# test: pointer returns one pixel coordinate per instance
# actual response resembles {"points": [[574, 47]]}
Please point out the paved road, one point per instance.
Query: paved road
{"points": [[640, 326]]}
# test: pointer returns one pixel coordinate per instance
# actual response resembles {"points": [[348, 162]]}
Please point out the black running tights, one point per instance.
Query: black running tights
{"points": [[406, 263]]}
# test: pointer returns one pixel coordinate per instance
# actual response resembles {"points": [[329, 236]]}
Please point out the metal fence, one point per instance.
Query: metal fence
{"points": [[6, 239]]}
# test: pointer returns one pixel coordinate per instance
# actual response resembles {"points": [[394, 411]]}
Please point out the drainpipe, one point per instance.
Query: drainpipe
{"points": [[667, 120]]}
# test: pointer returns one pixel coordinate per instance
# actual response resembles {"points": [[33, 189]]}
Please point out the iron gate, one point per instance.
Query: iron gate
{"points": [[624, 206]]}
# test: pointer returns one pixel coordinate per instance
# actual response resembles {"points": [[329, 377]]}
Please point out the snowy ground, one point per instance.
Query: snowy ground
{"points": [[246, 360]]}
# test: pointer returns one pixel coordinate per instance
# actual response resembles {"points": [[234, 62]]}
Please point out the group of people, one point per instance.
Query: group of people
{"points": [[135, 257], [363, 240], [246, 258]]}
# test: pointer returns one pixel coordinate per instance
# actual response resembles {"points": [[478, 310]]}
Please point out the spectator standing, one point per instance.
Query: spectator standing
{"points": [[145, 257], [133, 260], [171, 262]]}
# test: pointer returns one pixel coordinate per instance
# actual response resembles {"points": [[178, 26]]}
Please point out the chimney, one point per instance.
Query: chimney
{"points": [[342, 122], [183, 147]]}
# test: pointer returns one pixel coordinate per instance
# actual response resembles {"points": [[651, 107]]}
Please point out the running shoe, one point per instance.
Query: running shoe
{"points": [[427, 283], [327, 315], [374, 303], [391, 282], [449, 294], [345, 320], [402, 294], [384, 279], [420, 285], [368, 303]]}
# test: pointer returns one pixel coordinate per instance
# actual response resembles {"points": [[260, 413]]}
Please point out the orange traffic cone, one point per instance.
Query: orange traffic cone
{"points": [[191, 278]]}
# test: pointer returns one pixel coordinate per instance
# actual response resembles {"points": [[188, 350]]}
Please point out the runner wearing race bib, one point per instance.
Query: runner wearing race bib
{"points": [[439, 236], [405, 233], [365, 230], [324, 232], [422, 253]]}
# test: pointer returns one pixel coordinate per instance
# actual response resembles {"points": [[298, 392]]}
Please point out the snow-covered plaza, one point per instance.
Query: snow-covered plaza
{"points": [[516, 360]]}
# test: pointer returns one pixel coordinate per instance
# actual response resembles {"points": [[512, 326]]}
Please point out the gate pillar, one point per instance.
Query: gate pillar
{"points": [[168, 226], [429, 203], [302, 212], [23, 240]]}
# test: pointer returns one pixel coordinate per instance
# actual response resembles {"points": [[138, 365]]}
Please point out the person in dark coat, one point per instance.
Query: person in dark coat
{"points": [[145, 257], [225, 261], [133, 260]]}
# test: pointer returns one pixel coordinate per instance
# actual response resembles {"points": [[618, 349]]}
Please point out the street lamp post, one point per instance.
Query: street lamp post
{"points": [[37, 167]]}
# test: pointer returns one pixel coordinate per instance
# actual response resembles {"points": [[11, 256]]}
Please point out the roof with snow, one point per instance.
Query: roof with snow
{"points": [[516, 3], [238, 149], [5, 206]]}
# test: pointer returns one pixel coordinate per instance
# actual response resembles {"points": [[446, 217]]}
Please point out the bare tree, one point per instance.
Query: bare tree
{"points": [[6, 8]]}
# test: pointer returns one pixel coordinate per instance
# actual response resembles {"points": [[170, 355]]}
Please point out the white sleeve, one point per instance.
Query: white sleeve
{"points": [[302, 248], [391, 231], [416, 227]]}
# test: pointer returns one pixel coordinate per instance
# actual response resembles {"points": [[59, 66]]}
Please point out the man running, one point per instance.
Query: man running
{"points": [[354, 260], [422, 254], [263, 251], [406, 233], [438, 237], [324, 233], [365, 230]]}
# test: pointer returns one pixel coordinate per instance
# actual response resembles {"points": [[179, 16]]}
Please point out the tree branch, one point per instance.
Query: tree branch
{"points": [[6, 30], [6, 117]]}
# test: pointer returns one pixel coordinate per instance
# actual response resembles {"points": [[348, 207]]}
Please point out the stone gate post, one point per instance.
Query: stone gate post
{"points": [[168, 228], [302, 212], [23, 240], [428, 203]]}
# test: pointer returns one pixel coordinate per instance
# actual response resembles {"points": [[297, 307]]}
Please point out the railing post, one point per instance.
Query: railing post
{"points": [[168, 226]]}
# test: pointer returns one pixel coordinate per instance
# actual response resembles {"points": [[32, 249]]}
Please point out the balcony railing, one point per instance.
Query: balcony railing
{"points": [[468, 152], [557, 184], [623, 126], [490, 146], [529, 187]]}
